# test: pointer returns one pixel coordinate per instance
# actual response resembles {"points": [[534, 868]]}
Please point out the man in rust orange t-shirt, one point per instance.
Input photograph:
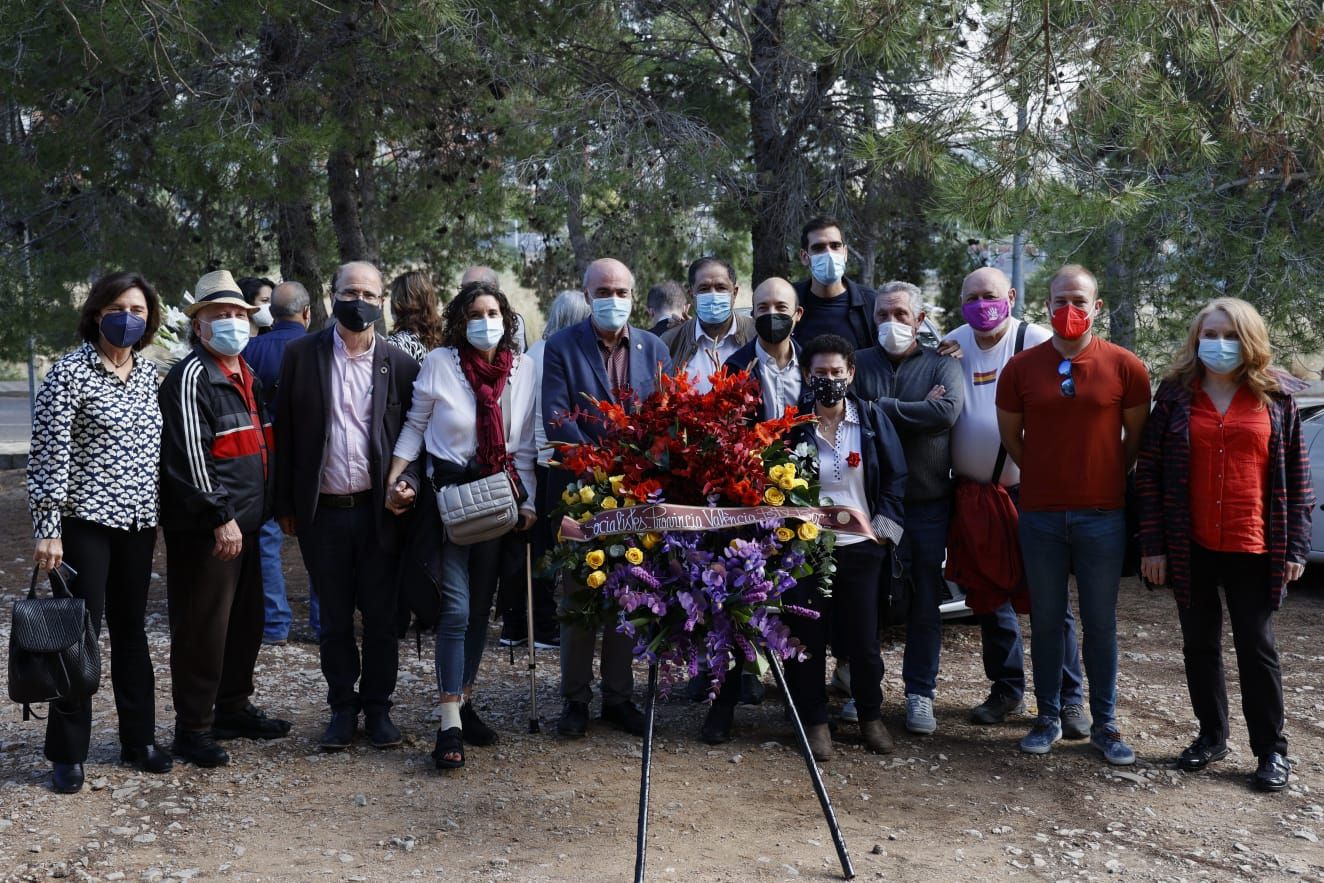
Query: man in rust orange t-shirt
{"points": [[1070, 412]]}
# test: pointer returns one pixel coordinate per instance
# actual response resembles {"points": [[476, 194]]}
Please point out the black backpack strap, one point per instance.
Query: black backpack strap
{"points": [[1002, 452]]}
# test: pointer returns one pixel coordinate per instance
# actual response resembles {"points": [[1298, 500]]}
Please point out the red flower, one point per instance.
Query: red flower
{"points": [[853, 460]]}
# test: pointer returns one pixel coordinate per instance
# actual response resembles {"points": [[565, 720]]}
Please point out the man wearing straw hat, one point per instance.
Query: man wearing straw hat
{"points": [[215, 455]]}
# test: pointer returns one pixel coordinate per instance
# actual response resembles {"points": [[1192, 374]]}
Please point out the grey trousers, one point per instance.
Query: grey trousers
{"points": [[577, 644]]}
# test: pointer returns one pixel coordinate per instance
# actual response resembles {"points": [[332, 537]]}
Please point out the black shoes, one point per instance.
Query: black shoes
{"points": [[248, 722], [449, 742], [1273, 773], [624, 716], [717, 725], [381, 732], [339, 731], [752, 690], [66, 778], [574, 720], [1200, 753], [995, 708], [476, 731], [199, 749], [148, 758]]}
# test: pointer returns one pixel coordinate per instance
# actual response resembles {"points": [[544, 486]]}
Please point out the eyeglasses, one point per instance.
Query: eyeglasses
{"points": [[1068, 382], [348, 294]]}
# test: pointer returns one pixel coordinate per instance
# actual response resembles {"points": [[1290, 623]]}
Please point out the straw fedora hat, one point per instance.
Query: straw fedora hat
{"points": [[217, 288]]}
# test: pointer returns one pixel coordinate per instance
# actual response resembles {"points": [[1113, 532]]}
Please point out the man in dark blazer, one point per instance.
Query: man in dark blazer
{"points": [[604, 357], [341, 401]]}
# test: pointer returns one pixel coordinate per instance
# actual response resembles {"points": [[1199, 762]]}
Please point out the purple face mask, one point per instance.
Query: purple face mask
{"points": [[985, 315]]}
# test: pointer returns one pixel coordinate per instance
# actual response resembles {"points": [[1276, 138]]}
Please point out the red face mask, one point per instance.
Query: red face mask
{"points": [[1071, 322]]}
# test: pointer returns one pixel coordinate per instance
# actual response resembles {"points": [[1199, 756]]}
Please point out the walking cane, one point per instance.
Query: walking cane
{"points": [[533, 660], [645, 778]]}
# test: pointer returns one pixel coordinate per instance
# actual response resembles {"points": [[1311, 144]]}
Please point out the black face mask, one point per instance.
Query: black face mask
{"points": [[828, 390], [774, 327], [356, 315]]}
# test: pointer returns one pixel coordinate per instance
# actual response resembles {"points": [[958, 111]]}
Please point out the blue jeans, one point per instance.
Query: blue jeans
{"points": [[922, 550], [1091, 543], [468, 580], [1004, 656], [276, 605]]}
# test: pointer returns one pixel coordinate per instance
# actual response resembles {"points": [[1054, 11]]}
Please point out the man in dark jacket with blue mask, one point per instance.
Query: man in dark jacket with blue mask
{"points": [[699, 346], [832, 303]]}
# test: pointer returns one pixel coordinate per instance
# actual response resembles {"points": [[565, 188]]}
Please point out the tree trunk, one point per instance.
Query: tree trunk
{"points": [[574, 222], [343, 189], [769, 226], [296, 237], [1117, 290]]}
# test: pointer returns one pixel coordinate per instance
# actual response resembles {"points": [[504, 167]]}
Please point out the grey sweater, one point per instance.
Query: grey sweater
{"points": [[924, 424]]}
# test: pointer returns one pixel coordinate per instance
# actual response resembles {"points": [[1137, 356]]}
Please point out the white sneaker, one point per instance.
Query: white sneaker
{"points": [[848, 712], [919, 714]]}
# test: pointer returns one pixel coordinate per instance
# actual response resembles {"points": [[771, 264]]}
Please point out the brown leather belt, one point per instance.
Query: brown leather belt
{"points": [[344, 501]]}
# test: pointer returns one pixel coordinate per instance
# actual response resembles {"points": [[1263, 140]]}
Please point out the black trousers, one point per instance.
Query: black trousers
{"points": [[849, 619], [216, 620], [114, 570], [352, 572], [1245, 580], [514, 587]]}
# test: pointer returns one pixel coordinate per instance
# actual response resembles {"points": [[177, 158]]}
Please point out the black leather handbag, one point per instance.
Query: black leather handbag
{"points": [[53, 651]]}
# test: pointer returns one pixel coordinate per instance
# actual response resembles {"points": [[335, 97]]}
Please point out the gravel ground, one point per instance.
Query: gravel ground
{"points": [[963, 803]]}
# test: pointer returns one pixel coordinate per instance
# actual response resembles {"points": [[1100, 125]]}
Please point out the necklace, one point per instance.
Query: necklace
{"points": [[108, 358]]}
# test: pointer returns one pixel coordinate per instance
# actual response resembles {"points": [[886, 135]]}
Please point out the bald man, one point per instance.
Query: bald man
{"points": [[341, 402], [607, 358], [1070, 414], [773, 355], [990, 337]]}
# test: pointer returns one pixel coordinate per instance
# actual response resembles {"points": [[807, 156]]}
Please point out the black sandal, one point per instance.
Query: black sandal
{"points": [[449, 742], [475, 729]]}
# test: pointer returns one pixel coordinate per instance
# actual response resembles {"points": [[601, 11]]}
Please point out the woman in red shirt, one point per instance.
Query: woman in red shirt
{"points": [[1225, 497]]}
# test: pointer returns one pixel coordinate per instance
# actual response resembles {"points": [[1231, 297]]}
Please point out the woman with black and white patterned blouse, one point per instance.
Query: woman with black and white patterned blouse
{"points": [[92, 491]]}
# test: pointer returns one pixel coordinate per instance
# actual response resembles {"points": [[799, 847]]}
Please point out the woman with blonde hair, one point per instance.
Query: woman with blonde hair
{"points": [[1225, 497], [415, 316]]}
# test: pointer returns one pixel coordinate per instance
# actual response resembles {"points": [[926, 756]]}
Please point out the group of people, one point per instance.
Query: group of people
{"points": [[339, 438]]}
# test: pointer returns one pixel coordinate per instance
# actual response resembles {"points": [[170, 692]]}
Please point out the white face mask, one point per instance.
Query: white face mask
{"points": [[484, 334], [895, 337], [262, 318], [827, 266]]}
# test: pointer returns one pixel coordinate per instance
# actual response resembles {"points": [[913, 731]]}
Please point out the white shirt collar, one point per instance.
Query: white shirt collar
{"points": [[700, 335], [767, 361]]}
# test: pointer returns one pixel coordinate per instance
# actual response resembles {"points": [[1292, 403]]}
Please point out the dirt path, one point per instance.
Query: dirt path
{"points": [[960, 805]]}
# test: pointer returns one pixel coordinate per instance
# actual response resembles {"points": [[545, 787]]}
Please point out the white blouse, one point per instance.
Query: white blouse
{"points": [[840, 482], [443, 416]]}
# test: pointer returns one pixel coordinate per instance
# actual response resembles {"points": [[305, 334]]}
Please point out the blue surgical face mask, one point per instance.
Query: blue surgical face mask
{"points": [[611, 313], [827, 266], [1220, 355], [713, 307], [228, 336], [484, 334], [122, 328]]}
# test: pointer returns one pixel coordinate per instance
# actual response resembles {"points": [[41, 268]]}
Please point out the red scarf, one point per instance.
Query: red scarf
{"points": [[488, 379]]}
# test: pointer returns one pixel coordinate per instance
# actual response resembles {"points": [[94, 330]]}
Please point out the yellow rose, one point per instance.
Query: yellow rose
{"points": [[585, 517], [790, 470], [631, 501], [785, 534], [596, 579], [586, 494], [634, 556], [599, 474], [608, 502], [774, 496], [569, 497], [776, 473], [807, 531], [799, 483], [650, 540], [595, 558], [616, 481], [787, 483]]}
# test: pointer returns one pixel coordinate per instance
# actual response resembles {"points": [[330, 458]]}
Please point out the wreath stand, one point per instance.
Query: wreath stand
{"points": [[641, 839]]}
